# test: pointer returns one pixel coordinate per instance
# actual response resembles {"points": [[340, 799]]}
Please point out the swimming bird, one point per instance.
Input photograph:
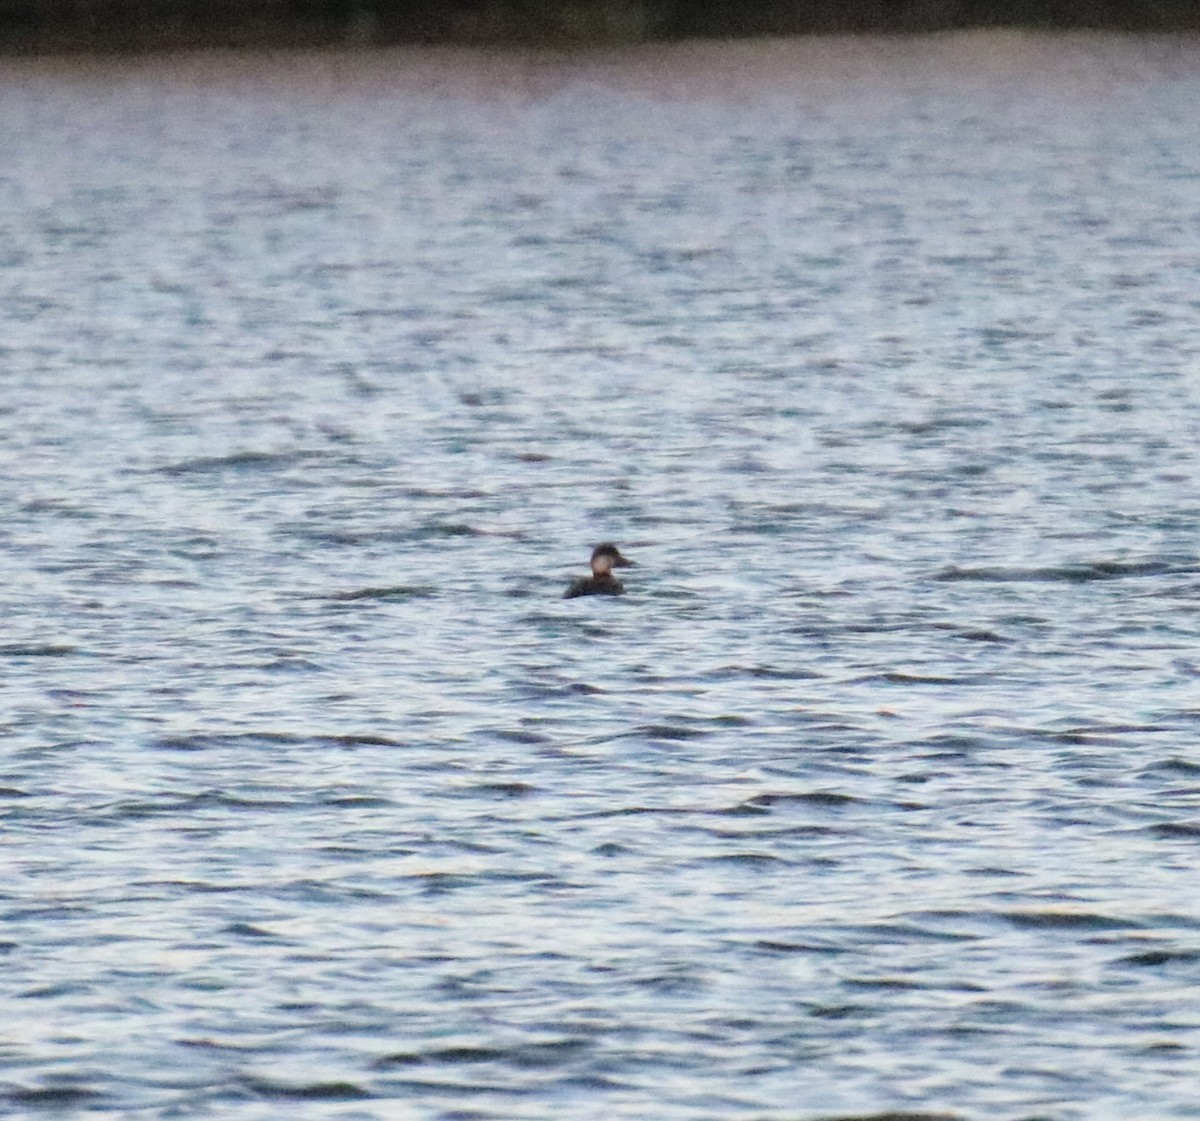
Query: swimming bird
{"points": [[602, 582]]}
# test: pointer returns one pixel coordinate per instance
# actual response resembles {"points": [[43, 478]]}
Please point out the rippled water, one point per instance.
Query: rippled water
{"points": [[879, 793]]}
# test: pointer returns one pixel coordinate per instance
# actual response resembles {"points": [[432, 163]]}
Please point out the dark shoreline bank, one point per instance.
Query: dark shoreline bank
{"points": [[38, 27]]}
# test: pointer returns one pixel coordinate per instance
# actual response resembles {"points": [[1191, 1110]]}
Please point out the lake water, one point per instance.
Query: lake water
{"points": [[878, 794]]}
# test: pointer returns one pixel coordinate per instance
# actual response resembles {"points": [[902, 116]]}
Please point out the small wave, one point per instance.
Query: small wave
{"points": [[895, 932], [249, 930], [1161, 957], [895, 677], [774, 673], [58, 507], [452, 1055], [310, 1091], [547, 1054], [518, 735], [633, 811], [824, 798], [35, 650], [55, 1097], [932, 425], [746, 859], [179, 805], [392, 594], [321, 534], [1183, 830], [892, 1115], [457, 493], [207, 741], [671, 732], [1091, 732], [885, 984], [1079, 736], [209, 1044], [567, 689], [500, 790], [1174, 766], [1066, 573], [445, 883], [237, 461], [1065, 920], [772, 946], [980, 636], [435, 530]]}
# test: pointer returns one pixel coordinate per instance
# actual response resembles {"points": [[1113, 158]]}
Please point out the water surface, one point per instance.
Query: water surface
{"points": [[879, 793]]}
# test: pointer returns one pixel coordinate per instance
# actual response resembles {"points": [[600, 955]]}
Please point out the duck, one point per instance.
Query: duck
{"points": [[602, 582]]}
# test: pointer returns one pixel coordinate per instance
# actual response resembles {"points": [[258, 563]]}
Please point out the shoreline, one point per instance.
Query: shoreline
{"points": [[135, 27]]}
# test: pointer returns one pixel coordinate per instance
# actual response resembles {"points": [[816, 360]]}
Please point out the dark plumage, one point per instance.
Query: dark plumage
{"points": [[602, 582]]}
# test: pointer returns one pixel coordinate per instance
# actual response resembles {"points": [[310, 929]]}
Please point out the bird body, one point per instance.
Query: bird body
{"points": [[602, 582]]}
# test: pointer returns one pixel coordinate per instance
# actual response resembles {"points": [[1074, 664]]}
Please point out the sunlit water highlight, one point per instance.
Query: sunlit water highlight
{"points": [[878, 795]]}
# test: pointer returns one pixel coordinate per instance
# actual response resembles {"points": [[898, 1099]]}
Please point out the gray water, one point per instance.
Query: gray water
{"points": [[878, 794]]}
